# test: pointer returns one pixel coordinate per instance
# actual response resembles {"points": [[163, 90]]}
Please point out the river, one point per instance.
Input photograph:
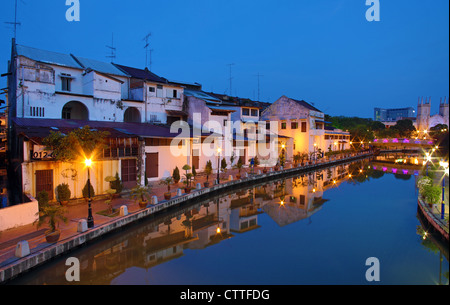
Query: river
{"points": [[316, 228]]}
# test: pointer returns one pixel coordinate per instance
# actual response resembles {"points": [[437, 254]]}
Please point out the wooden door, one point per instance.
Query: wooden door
{"points": [[44, 182], [129, 173], [196, 159], [152, 165]]}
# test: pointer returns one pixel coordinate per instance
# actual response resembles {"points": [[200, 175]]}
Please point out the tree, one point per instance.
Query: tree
{"points": [[76, 145], [404, 127], [208, 169]]}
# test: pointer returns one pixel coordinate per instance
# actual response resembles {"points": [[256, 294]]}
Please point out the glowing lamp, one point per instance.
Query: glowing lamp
{"points": [[88, 162]]}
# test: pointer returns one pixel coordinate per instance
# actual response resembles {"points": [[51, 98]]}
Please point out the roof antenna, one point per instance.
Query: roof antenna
{"points": [[113, 49], [15, 23], [258, 76], [231, 79], [146, 38]]}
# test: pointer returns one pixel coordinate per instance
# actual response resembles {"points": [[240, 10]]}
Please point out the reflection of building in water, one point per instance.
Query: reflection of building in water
{"points": [[211, 223], [298, 198], [244, 211]]}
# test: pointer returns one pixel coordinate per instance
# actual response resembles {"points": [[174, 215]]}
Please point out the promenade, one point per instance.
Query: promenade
{"points": [[41, 251]]}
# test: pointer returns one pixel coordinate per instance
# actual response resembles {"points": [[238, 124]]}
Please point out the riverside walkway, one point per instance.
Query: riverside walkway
{"points": [[41, 251]]}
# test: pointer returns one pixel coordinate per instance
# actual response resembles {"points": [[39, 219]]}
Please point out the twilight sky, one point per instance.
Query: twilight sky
{"points": [[322, 51]]}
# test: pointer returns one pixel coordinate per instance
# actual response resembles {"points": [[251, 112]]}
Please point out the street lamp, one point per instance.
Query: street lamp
{"points": [[218, 164], [90, 220], [445, 166]]}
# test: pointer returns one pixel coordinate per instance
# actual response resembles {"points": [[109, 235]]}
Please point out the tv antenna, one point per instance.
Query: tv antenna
{"points": [[258, 76], [146, 38], [113, 49], [231, 80], [15, 23]]}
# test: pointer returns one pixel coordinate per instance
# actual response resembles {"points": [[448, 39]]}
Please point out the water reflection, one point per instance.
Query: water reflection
{"points": [[204, 224]]}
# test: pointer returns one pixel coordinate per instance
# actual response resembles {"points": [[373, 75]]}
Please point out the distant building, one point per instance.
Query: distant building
{"points": [[394, 114], [425, 120]]}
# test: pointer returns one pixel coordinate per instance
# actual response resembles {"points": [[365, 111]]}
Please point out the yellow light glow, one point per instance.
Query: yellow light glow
{"points": [[334, 181], [349, 175], [218, 230], [282, 202], [351, 142], [314, 190], [283, 146], [219, 150], [360, 170], [88, 162]]}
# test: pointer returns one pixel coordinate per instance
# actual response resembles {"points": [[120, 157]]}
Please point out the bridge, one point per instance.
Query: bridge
{"points": [[403, 144]]}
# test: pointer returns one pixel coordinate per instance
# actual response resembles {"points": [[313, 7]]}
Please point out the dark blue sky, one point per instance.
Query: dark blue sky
{"points": [[324, 52]]}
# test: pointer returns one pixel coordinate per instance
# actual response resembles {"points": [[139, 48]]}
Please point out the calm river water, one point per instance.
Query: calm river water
{"points": [[317, 228]]}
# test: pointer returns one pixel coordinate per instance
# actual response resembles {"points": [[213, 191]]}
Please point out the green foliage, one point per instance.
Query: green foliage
{"points": [[404, 127], [223, 165], [141, 193], [239, 165], [194, 172], [282, 159], [63, 192], [116, 184], [86, 188], [176, 175], [166, 181], [77, 145], [42, 198], [51, 214], [208, 169], [432, 194]]}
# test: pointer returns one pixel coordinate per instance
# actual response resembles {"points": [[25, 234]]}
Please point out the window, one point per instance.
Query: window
{"points": [[294, 125], [175, 94], [254, 112], [245, 111], [303, 126], [37, 112], [66, 113], [151, 89], [65, 83], [283, 125]]}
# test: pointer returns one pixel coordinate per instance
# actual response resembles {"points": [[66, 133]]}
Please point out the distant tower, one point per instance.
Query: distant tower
{"points": [[423, 114], [443, 110]]}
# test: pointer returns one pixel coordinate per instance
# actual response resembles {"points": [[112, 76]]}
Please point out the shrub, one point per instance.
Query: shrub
{"points": [[63, 192], [86, 190], [116, 184], [42, 198], [176, 175]]}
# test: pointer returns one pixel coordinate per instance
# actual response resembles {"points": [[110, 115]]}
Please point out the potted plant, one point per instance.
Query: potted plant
{"points": [[63, 193], [208, 172], [51, 214], [142, 194], [117, 185], [176, 175], [86, 192], [188, 177], [239, 165], [167, 181], [111, 192]]}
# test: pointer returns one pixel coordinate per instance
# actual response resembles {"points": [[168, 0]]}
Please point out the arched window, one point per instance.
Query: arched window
{"points": [[75, 110], [132, 115]]}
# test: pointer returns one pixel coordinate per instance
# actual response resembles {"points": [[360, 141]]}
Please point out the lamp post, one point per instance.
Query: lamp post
{"points": [[445, 166], [90, 219], [218, 165]]}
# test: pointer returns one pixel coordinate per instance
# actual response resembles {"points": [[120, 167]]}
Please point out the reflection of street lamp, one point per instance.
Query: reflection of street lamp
{"points": [[218, 165], [445, 166], [90, 220]]}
